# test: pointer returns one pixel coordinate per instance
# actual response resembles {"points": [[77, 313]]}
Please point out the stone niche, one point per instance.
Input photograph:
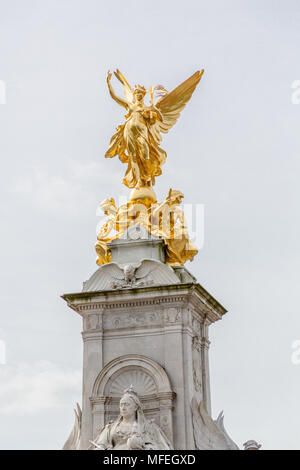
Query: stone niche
{"points": [[149, 380]]}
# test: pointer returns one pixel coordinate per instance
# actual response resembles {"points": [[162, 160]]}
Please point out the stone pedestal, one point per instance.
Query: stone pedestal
{"points": [[148, 328]]}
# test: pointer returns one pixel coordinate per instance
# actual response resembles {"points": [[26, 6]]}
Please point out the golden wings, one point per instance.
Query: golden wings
{"points": [[170, 104]]}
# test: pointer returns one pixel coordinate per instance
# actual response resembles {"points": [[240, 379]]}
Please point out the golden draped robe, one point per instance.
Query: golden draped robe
{"points": [[137, 145]]}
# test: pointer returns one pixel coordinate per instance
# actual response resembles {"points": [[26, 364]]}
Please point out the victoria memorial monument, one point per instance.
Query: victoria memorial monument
{"points": [[145, 317]]}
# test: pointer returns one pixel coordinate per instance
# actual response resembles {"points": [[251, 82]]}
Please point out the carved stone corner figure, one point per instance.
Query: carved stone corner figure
{"points": [[168, 222], [209, 434], [251, 445], [73, 441], [131, 430]]}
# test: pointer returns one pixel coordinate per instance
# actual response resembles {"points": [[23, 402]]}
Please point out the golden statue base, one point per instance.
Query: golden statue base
{"points": [[144, 194]]}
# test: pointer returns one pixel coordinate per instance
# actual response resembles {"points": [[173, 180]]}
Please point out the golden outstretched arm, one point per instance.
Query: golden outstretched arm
{"points": [[112, 93]]}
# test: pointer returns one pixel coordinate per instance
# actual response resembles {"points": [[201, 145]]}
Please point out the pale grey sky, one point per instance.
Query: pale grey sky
{"points": [[234, 149]]}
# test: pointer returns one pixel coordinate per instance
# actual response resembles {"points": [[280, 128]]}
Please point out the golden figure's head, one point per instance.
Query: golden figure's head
{"points": [[174, 197], [138, 93], [109, 206]]}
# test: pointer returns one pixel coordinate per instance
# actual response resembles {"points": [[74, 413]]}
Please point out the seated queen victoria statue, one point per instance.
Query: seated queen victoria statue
{"points": [[131, 430]]}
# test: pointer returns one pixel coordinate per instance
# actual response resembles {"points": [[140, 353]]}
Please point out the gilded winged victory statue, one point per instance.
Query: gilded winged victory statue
{"points": [[137, 141]]}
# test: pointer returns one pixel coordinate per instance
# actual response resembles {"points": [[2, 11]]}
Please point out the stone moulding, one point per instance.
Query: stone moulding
{"points": [[193, 294], [132, 360]]}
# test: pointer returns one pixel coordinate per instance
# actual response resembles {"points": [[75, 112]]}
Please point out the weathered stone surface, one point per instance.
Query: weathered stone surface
{"points": [[124, 331], [146, 324]]}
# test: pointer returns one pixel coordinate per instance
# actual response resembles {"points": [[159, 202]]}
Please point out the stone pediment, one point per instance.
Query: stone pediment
{"points": [[131, 275]]}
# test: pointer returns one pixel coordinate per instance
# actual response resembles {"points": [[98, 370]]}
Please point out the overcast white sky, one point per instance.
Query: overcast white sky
{"points": [[234, 149]]}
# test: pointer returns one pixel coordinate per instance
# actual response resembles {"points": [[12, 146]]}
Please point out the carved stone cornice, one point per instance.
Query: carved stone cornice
{"points": [[180, 295], [98, 400]]}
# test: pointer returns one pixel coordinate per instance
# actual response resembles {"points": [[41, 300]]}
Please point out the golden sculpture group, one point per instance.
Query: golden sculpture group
{"points": [[137, 143]]}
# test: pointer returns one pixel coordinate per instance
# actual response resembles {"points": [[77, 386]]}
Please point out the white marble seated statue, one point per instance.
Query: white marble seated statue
{"points": [[131, 430]]}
